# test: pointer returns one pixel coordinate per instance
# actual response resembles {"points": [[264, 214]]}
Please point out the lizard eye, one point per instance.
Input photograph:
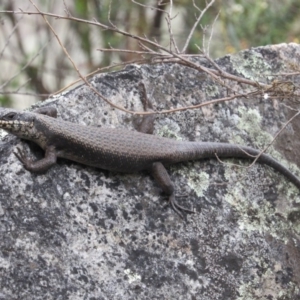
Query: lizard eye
{"points": [[10, 116]]}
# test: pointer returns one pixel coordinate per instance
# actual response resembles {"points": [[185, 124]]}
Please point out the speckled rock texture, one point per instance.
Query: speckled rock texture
{"points": [[82, 233]]}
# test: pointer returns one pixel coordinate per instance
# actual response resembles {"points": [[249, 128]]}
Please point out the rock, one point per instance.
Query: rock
{"points": [[81, 233]]}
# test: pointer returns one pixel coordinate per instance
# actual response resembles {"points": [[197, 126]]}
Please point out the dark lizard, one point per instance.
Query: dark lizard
{"points": [[117, 149]]}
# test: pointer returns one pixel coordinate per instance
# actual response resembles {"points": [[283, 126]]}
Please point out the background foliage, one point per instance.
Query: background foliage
{"points": [[34, 65]]}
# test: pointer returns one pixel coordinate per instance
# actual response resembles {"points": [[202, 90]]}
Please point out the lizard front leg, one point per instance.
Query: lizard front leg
{"points": [[39, 166]]}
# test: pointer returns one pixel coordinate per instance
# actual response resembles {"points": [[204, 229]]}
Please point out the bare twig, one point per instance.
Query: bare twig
{"points": [[129, 51], [285, 74], [149, 6], [210, 60], [16, 92], [75, 67], [168, 20], [9, 37], [182, 60], [150, 51], [171, 35], [196, 23], [67, 11], [256, 157], [109, 13], [275, 137], [99, 70], [167, 56], [24, 67], [211, 33]]}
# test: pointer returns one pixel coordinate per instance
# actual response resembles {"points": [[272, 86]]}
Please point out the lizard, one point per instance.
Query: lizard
{"points": [[117, 150]]}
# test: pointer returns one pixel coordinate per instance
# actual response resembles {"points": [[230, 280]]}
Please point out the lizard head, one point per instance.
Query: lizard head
{"points": [[19, 123]]}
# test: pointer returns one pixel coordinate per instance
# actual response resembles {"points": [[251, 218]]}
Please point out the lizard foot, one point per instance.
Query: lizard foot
{"points": [[178, 208], [22, 158]]}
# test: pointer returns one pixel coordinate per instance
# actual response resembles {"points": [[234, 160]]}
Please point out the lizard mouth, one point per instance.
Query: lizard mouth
{"points": [[14, 125]]}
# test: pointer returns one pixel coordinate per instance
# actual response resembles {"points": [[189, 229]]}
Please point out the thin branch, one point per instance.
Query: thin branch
{"points": [[285, 74], [10, 35], [275, 137], [169, 22], [24, 67], [210, 102], [150, 51], [67, 11], [23, 84], [75, 67], [184, 61], [256, 157], [108, 15], [99, 70], [149, 6], [16, 92], [129, 51], [210, 60], [211, 33], [196, 24], [217, 67], [143, 113]]}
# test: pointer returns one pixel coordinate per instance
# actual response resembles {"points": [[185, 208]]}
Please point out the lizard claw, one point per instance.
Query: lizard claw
{"points": [[19, 154]]}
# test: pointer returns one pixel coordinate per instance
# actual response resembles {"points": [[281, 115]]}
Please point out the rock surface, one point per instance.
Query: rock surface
{"points": [[81, 233]]}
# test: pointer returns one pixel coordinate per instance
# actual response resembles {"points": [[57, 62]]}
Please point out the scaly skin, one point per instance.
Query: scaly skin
{"points": [[117, 149]]}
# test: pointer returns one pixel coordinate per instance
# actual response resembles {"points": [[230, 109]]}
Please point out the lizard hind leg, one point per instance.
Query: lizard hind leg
{"points": [[158, 170], [162, 177]]}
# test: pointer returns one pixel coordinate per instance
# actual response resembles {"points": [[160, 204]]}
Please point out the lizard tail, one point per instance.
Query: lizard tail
{"points": [[200, 150]]}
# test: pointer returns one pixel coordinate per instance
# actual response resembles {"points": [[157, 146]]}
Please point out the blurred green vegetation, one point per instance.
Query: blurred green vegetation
{"points": [[240, 24], [248, 23]]}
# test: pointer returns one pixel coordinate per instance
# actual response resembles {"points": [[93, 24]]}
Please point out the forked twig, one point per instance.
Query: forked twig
{"points": [[196, 23]]}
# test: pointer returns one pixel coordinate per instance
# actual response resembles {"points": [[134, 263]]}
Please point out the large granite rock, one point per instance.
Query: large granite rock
{"points": [[81, 233]]}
